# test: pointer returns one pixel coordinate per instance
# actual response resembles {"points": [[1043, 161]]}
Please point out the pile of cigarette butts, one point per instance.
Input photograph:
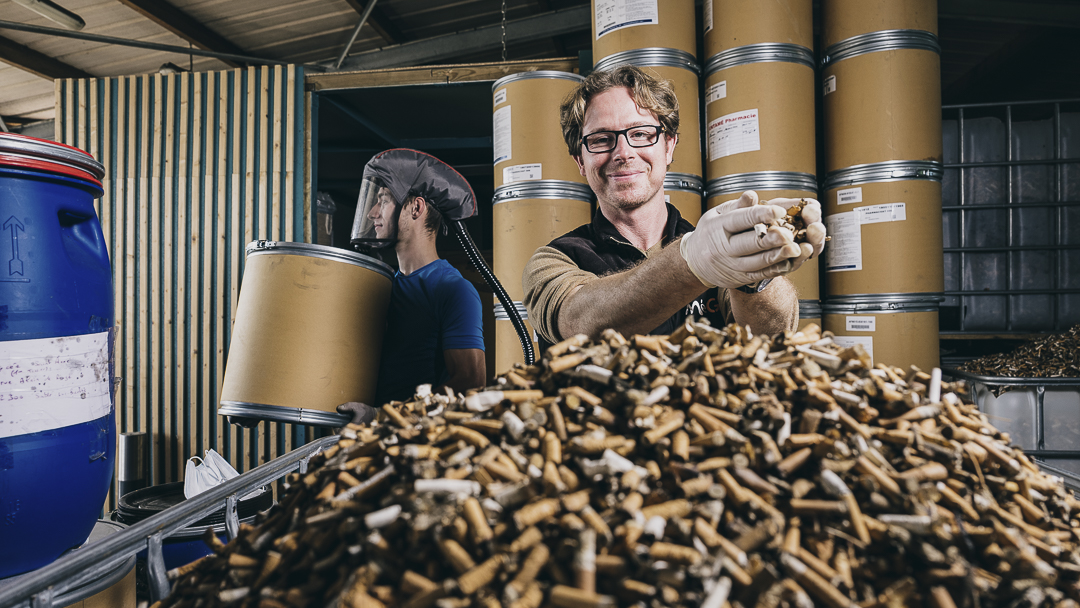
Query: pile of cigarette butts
{"points": [[708, 468], [1053, 356]]}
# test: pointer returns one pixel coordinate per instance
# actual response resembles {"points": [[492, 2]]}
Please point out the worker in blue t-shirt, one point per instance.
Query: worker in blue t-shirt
{"points": [[434, 332]]}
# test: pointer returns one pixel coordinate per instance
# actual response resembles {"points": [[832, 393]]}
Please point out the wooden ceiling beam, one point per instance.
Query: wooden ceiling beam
{"points": [[185, 26], [380, 22], [40, 64]]}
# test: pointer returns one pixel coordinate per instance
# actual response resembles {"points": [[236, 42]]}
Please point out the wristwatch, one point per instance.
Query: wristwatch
{"points": [[753, 288]]}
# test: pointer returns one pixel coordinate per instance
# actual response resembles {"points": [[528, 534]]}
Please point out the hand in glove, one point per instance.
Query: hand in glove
{"points": [[725, 251], [815, 230], [361, 413]]}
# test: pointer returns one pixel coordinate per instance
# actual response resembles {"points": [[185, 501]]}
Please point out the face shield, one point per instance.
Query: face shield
{"points": [[375, 222]]}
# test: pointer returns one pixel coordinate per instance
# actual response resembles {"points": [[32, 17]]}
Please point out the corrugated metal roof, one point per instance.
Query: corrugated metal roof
{"points": [[295, 31]]}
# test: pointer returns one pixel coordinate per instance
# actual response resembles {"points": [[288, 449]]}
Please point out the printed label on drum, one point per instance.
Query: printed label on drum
{"points": [[845, 250], [849, 341], [848, 195], [734, 133], [500, 124], [706, 9], [613, 15], [860, 323], [875, 214], [51, 383], [667, 198], [500, 97], [716, 92], [520, 173], [830, 85]]}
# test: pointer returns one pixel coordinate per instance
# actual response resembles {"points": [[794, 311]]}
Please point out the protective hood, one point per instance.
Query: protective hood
{"points": [[391, 178]]}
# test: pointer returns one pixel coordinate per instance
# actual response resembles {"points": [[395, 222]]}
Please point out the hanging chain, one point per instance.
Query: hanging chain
{"points": [[504, 31]]}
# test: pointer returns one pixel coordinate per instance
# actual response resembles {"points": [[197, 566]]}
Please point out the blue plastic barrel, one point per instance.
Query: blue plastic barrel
{"points": [[57, 428]]}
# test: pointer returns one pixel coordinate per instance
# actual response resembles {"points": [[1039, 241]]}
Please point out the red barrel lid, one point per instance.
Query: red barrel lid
{"points": [[26, 152]]}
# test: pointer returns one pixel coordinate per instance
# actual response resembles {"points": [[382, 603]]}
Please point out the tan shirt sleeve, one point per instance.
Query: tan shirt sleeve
{"points": [[550, 277]]}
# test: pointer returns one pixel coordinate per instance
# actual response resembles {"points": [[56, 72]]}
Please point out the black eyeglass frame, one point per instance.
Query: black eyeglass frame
{"points": [[625, 133]]}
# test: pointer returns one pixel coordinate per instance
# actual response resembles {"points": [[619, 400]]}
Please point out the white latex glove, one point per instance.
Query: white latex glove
{"points": [[815, 230], [725, 251]]}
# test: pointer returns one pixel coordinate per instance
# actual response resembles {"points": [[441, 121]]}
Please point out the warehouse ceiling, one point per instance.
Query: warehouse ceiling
{"points": [[992, 50]]}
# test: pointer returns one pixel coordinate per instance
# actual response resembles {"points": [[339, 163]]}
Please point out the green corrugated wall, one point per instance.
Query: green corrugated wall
{"points": [[197, 166]]}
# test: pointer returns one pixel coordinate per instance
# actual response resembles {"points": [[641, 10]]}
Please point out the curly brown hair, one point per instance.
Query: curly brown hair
{"points": [[649, 91]]}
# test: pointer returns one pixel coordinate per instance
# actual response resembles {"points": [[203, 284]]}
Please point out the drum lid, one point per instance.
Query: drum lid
{"points": [[147, 502], [650, 57], [684, 182], [545, 188], [24, 152], [319, 251], [549, 74]]}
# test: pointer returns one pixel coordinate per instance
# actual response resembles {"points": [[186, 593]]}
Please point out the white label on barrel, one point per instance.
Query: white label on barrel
{"points": [[849, 341], [875, 214], [734, 133], [830, 85], [707, 14], [500, 97], [520, 173], [848, 195], [716, 92], [49, 383], [612, 15], [845, 250], [860, 323], [500, 124], [667, 198]]}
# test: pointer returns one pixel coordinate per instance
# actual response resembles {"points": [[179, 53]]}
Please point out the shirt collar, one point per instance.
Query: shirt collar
{"points": [[606, 231]]}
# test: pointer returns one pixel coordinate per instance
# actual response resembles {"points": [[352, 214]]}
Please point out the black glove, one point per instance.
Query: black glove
{"points": [[361, 413], [247, 423]]}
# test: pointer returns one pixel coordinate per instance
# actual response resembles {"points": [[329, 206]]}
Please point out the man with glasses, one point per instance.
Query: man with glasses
{"points": [[639, 267]]}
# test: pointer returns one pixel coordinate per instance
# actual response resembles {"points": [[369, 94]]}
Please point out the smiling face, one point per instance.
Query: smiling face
{"points": [[625, 178], [382, 215]]}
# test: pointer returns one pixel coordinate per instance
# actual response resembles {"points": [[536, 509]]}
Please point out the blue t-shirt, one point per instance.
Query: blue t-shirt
{"points": [[431, 310]]}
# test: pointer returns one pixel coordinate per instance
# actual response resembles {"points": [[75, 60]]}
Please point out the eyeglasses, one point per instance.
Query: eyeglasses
{"points": [[641, 136]]}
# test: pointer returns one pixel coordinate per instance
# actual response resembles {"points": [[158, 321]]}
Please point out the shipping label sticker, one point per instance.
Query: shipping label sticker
{"points": [[848, 196], [499, 98], [667, 198], [716, 92], [520, 173], [875, 214], [49, 383], [860, 323], [844, 252], [501, 130], [706, 9], [614, 15], [829, 85], [734, 133], [867, 343]]}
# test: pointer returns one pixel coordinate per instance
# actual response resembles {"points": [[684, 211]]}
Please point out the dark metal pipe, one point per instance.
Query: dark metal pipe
{"points": [[168, 48]]}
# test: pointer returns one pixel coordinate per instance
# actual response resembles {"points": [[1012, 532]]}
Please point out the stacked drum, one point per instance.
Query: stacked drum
{"points": [[882, 115], [759, 109], [539, 192], [659, 37]]}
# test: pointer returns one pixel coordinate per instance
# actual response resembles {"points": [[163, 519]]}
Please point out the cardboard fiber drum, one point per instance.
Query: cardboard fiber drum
{"points": [[685, 193], [681, 69], [897, 79], [770, 185], [527, 137], [729, 24], [750, 125], [896, 332], [507, 345], [843, 19], [809, 313], [885, 224], [625, 25], [308, 333], [528, 215]]}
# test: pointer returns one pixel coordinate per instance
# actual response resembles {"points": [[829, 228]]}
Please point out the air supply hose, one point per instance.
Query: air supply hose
{"points": [[508, 305]]}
